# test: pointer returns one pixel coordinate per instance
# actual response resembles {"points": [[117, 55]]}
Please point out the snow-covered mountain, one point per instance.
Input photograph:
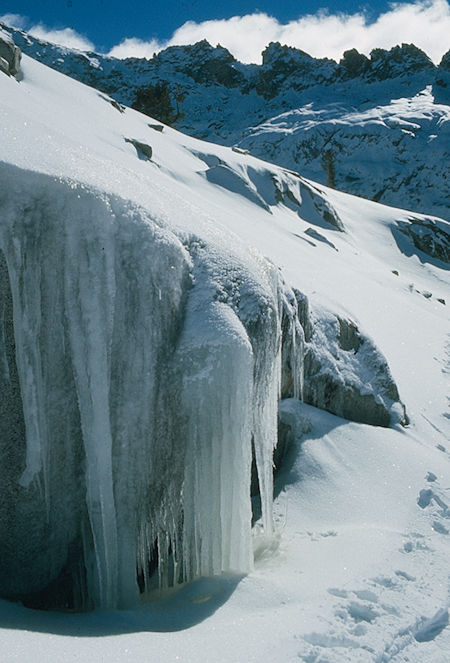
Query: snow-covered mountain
{"points": [[376, 127], [171, 309]]}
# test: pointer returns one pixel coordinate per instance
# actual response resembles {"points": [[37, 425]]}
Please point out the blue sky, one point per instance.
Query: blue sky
{"points": [[139, 27], [107, 22]]}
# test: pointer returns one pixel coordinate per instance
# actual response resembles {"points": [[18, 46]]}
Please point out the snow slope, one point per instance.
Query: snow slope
{"points": [[393, 153], [357, 568]]}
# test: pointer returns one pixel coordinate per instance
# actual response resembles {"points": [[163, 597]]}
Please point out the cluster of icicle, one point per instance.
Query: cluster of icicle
{"points": [[148, 365]]}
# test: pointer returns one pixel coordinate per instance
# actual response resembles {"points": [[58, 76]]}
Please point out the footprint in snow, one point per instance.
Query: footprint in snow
{"points": [[424, 630], [414, 541], [427, 496], [384, 581], [327, 640], [366, 595], [340, 593], [438, 527], [361, 612], [428, 629], [405, 576]]}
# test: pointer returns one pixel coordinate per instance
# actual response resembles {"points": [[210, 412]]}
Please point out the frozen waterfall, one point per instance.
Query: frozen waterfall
{"points": [[136, 368]]}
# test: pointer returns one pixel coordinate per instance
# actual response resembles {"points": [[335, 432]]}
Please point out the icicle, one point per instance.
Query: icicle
{"points": [[266, 341], [265, 435], [24, 275], [216, 357], [297, 357], [162, 394], [89, 291]]}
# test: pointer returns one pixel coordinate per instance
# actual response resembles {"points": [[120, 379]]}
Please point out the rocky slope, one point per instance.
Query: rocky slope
{"points": [[376, 127]]}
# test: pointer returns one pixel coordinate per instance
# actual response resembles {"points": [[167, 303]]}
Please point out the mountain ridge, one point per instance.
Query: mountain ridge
{"points": [[372, 126]]}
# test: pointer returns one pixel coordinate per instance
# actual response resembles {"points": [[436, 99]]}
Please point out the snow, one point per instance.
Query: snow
{"points": [[384, 151], [352, 563]]}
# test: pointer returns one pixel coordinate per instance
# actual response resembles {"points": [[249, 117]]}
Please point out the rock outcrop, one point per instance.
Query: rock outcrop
{"points": [[10, 55], [428, 238], [441, 87], [342, 371]]}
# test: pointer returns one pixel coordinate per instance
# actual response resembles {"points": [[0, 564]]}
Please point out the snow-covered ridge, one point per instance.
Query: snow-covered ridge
{"points": [[375, 127]]}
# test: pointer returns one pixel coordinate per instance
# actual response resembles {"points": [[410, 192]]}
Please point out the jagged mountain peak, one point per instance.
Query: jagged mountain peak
{"points": [[445, 62], [401, 60], [203, 63], [199, 50], [353, 63], [277, 54]]}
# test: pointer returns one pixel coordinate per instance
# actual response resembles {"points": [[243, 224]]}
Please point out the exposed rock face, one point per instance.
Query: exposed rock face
{"points": [[205, 64], [430, 237], [143, 150], [441, 87], [10, 55], [353, 64], [445, 62], [403, 60], [285, 68]]}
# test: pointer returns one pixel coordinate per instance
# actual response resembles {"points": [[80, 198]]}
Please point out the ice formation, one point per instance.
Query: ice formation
{"points": [[147, 366], [141, 368]]}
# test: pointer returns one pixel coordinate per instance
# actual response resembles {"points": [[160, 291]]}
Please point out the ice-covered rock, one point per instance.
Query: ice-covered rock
{"points": [[140, 368], [137, 371]]}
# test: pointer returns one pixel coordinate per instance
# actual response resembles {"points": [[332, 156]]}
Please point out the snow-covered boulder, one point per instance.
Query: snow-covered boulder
{"points": [[10, 55], [342, 371]]}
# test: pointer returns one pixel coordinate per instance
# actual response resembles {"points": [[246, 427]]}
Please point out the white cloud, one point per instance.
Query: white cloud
{"points": [[136, 48], [62, 36], [14, 20], [426, 23]]}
